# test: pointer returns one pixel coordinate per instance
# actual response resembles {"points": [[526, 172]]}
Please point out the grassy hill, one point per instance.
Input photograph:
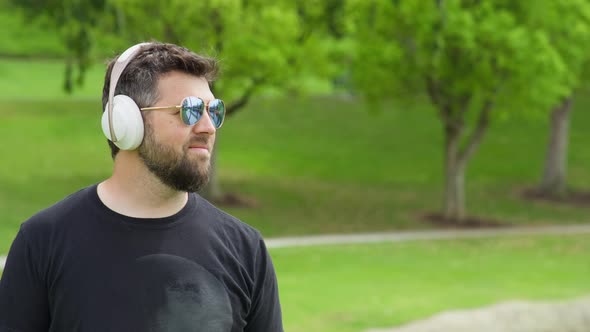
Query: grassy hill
{"points": [[312, 165]]}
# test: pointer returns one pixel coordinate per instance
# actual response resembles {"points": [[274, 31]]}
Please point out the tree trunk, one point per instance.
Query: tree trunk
{"points": [[554, 175], [457, 156], [69, 77], [454, 200], [212, 191]]}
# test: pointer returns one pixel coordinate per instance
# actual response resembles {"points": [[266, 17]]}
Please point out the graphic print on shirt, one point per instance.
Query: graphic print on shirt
{"points": [[183, 296]]}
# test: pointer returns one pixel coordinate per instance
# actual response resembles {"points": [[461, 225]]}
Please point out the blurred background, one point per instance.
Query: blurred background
{"points": [[345, 117]]}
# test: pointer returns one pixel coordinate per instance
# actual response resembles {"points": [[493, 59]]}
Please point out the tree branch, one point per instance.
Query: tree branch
{"points": [[475, 139], [433, 91], [464, 101], [215, 19], [239, 103], [452, 123]]}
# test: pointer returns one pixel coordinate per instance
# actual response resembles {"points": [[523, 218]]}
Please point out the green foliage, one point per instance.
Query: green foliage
{"points": [[567, 24], [261, 45], [492, 50]]}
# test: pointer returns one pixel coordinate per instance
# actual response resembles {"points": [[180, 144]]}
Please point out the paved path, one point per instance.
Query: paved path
{"points": [[402, 236]]}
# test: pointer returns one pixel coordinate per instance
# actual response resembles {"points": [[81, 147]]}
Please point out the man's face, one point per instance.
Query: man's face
{"points": [[178, 154]]}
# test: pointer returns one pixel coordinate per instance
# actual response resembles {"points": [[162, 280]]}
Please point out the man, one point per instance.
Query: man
{"points": [[140, 251]]}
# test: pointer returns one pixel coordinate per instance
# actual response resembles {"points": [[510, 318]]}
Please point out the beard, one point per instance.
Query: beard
{"points": [[175, 170]]}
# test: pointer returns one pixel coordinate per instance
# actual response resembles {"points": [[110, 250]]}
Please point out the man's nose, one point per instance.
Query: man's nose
{"points": [[204, 125]]}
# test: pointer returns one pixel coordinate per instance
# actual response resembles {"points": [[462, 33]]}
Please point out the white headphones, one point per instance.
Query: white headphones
{"points": [[121, 121]]}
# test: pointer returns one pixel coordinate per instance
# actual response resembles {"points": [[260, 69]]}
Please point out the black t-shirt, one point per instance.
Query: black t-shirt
{"points": [[79, 266]]}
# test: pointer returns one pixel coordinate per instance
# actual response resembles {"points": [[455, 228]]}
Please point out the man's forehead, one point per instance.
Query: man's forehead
{"points": [[178, 85]]}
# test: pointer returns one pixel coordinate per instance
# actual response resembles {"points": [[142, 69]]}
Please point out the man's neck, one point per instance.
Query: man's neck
{"points": [[134, 191]]}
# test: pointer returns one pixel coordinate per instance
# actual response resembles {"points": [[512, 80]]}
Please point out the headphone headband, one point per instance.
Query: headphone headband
{"points": [[122, 62]]}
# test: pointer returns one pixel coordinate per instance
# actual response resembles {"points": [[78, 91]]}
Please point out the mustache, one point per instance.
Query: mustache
{"points": [[200, 140]]}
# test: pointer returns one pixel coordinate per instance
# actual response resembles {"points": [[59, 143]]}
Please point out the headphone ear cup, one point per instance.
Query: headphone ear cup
{"points": [[127, 123]]}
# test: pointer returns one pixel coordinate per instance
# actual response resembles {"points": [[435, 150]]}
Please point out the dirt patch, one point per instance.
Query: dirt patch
{"points": [[571, 197], [469, 222], [234, 200]]}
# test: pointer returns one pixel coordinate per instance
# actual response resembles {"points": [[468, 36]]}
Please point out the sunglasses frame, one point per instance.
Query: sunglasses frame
{"points": [[206, 103]]}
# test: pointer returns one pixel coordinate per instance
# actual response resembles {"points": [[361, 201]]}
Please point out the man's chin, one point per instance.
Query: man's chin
{"points": [[185, 181], [198, 187], [200, 181], [190, 187]]}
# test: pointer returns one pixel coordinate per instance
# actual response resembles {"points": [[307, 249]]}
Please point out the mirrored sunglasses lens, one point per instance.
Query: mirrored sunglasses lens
{"points": [[192, 109], [217, 112]]}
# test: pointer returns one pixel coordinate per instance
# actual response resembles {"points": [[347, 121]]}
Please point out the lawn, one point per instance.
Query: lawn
{"points": [[352, 288], [22, 80], [313, 165]]}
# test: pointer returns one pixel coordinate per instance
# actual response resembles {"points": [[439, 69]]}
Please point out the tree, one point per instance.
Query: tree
{"points": [[475, 60], [278, 46], [568, 27], [76, 22]]}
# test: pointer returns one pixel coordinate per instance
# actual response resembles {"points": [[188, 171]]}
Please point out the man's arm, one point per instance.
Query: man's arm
{"points": [[23, 294], [265, 313]]}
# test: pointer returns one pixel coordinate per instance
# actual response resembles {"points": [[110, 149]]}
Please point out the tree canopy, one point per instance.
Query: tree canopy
{"points": [[461, 53], [261, 45]]}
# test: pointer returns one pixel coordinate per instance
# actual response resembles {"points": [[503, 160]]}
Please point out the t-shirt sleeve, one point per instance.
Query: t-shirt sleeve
{"points": [[265, 314], [23, 294]]}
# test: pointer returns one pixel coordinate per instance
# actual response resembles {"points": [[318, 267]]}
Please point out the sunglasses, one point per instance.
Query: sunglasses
{"points": [[192, 108]]}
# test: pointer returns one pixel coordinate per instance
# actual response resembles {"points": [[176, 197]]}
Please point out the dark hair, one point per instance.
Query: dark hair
{"points": [[139, 80]]}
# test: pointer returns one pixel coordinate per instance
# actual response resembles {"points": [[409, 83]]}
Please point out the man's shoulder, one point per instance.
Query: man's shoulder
{"points": [[60, 212], [228, 224]]}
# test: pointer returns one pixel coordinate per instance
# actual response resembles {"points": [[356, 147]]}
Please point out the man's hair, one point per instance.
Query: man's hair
{"points": [[140, 78]]}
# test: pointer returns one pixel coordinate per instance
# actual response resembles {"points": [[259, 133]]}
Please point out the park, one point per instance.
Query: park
{"points": [[345, 118]]}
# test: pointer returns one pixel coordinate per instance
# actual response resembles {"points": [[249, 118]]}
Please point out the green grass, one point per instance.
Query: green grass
{"points": [[22, 36], [327, 165], [313, 165], [43, 80], [355, 287]]}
